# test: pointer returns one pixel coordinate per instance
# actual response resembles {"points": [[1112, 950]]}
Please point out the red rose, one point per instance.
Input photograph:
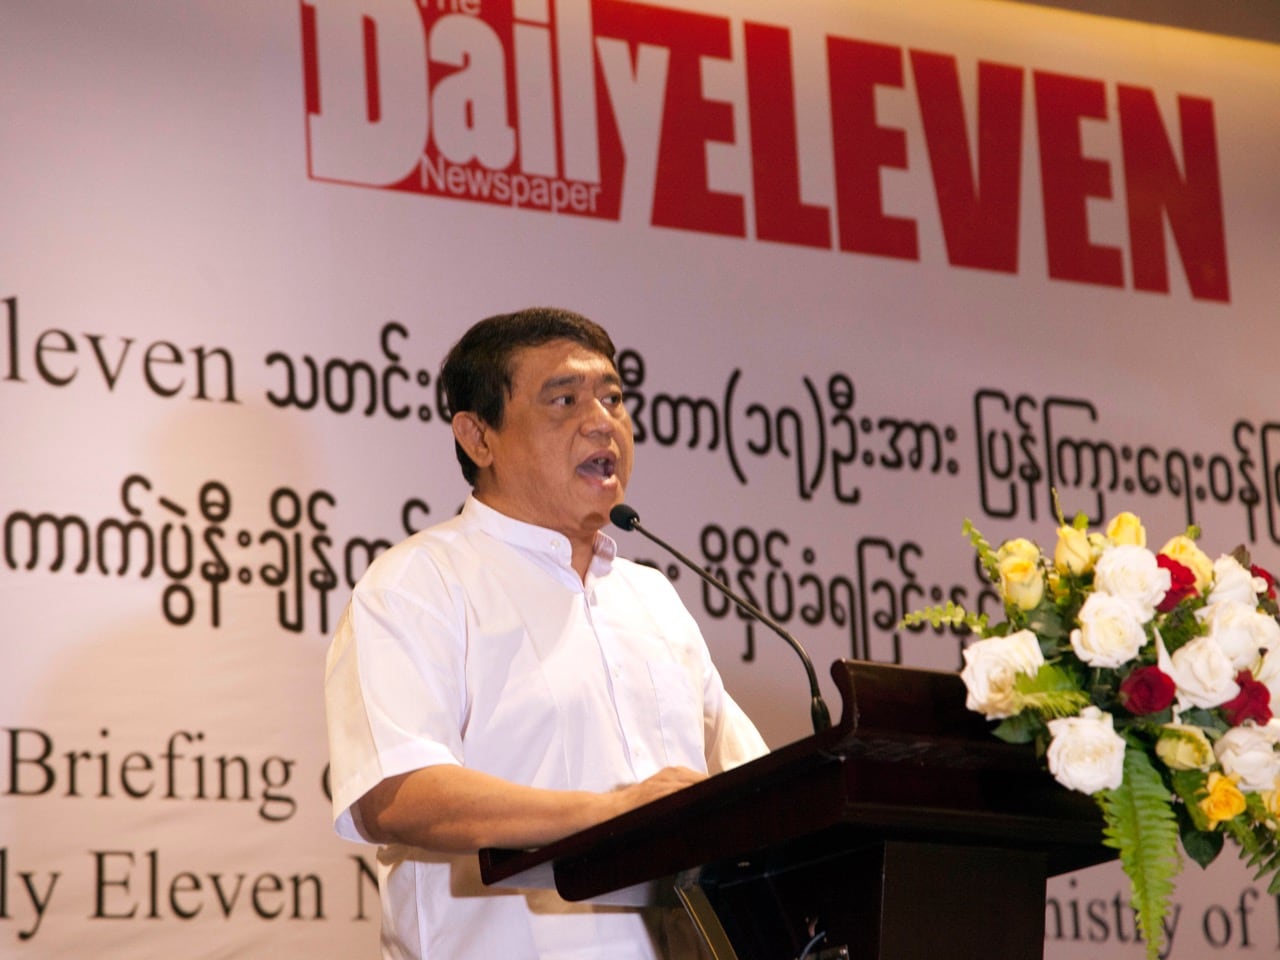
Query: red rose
{"points": [[1252, 703], [1258, 571], [1182, 583], [1147, 690]]}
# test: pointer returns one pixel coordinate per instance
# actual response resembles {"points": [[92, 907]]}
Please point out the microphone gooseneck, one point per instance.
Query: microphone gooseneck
{"points": [[626, 518]]}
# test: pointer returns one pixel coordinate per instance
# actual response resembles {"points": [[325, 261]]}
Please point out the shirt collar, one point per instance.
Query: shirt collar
{"points": [[541, 540]]}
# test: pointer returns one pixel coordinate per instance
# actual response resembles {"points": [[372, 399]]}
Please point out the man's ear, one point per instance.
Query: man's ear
{"points": [[472, 435]]}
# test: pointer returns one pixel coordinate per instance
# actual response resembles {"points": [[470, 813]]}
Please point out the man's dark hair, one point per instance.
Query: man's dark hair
{"points": [[477, 376]]}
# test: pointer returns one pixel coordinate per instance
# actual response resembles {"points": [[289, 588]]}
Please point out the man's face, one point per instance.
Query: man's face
{"points": [[563, 455]]}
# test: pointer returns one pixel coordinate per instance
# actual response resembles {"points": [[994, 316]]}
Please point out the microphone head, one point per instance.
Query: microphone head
{"points": [[624, 517]]}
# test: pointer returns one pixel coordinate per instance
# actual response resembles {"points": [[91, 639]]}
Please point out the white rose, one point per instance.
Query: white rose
{"points": [[1268, 673], [1131, 573], [1232, 582], [1203, 674], [1085, 752], [1248, 753], [991, 667], [1240, 630], [1110, 632]]}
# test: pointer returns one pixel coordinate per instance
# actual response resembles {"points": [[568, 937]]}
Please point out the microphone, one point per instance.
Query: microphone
{"points": [[626, 518]]}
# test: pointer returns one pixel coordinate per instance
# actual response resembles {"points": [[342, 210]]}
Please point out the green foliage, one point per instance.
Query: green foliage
{"points": [[1258, 844], [1047, 623], [1202, 846], [1262, 853], [1207, 720], [1023, 728], [1190, 786], [1200, 843], [1248, 841], [949, 615], [1052, 692], [986, 555], [1080, 521], [1180, 625], [1143, 828]]}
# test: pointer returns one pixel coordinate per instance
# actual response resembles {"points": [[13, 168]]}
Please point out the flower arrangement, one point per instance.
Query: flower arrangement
{"points": [[1146, 680]]}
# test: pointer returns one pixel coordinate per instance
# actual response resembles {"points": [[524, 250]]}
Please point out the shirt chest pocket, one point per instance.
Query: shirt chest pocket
{"points": [[679, 715]]}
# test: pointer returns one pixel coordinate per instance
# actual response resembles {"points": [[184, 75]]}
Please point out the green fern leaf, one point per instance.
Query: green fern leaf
{"points": [[1052, 704], [1265, 861], [1249, 842], [950, 615], [1052, 692], [985, 554], [1140, 824], [1259, 848]]}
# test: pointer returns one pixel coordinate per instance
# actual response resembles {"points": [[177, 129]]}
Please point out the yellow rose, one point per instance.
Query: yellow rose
{"points": [[1021, 582], [1224, 801], [1073, 553], [1019, 547], [1183, 746], [1271, 800], [1126, 529], [1184, 550]]}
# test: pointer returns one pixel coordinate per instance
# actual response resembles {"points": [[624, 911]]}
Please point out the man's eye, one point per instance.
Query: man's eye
{"points": [[563, 401]]}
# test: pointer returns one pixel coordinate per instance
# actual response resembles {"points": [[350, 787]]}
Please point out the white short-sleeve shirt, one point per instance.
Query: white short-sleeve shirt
{"points": [[476, 643]]}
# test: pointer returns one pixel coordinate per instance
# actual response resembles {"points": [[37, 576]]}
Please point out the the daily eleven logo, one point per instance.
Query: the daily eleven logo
{"points": [[603, 108]]}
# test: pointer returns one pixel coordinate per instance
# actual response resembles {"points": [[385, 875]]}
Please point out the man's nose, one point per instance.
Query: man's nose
{"points": [[598, 418]]}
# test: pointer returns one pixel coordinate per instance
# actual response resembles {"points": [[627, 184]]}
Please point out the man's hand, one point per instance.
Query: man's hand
{"points": [[665, 781]]}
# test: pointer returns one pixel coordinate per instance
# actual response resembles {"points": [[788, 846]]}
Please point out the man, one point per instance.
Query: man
{"points": [[503, 679]]}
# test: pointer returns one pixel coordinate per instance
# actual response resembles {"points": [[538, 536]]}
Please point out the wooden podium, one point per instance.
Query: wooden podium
{"points": [[905, 832]]}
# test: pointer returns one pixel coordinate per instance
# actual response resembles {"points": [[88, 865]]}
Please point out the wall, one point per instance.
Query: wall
{"points": [[874, 270]]}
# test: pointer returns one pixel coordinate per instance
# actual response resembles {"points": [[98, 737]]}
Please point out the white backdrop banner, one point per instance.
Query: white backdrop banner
{"points": [[873, 269]]}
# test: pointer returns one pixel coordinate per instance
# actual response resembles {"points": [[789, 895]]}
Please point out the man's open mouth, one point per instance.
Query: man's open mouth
{"points": [[603, 466]]}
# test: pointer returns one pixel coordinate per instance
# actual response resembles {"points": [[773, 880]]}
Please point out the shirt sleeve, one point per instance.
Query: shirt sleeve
{"points": [[732, 739], [394, 683]]}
